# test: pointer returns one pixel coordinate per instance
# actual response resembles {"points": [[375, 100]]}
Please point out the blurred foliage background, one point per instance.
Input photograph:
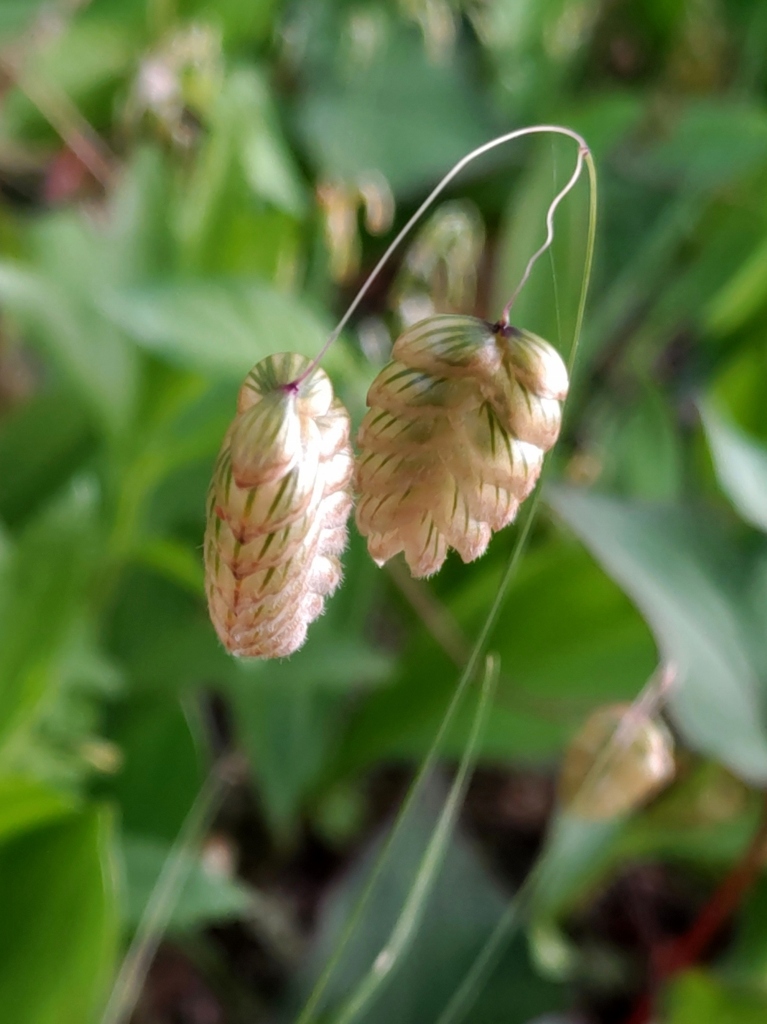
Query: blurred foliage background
{"points": [[189, 185]]}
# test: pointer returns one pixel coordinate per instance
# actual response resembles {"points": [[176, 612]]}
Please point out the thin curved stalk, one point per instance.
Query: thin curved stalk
{"points": [[156, 915], [538, 129], [410, 917]]}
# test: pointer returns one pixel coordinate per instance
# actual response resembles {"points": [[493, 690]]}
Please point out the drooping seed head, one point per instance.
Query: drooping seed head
{"points": [[277, 509], [604, 774], [454, 439]]}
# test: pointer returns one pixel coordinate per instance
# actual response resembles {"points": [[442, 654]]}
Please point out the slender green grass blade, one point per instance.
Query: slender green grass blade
{"points": [[413, 909], [152, 926]]}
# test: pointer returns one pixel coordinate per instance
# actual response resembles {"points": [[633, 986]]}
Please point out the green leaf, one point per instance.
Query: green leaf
{"points": [[241, 23], [604, 651], [239, 209], [640, 450], [290, 714], [58, 927], [59, 739], [163, 635], [699, 996], [25, 804], [141, 243], [746, 959], [575, 853], [15, 15], [676, 570], [84, 61], [267, 162], [220, 327], [86, 347], [42, 443], [727, 140], [462, 910], [158, 740], [45, 577], [205, 897], [740, 297], [398, 112], [411, 916], [741, 468]]}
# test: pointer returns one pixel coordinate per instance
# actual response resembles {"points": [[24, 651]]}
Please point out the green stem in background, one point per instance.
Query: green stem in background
{"points": [[425, 769], [655, 690], [167, 889], [417, 898], [429, 761]]}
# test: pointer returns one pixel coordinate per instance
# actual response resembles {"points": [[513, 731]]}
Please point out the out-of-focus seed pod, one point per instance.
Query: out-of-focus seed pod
{"points": [[277, 509], [606, 774], [439, 271], [454, 439]]}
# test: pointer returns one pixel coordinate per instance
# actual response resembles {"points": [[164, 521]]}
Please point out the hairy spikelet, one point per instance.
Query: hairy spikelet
{"points": [[454, 439], [605, 775], [277, 509]]}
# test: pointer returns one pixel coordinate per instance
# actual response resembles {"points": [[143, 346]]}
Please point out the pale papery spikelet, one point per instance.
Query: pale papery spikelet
{"points": [[277, 509], [617, 761], [454, 439]]}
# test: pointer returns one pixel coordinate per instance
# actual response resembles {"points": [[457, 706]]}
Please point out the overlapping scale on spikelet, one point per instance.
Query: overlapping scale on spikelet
{"points": [[277, 510], [454, 439]]}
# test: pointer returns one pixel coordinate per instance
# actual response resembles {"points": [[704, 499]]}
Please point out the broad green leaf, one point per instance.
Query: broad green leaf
{"points": [[682, 577], [700, 996], [643, 250], [746, 960], [42, 443], [737, 388], [157, 740], [141, 245], [462, 910], [58, 928], [44, 579], [26, 804], [575, 853], [641, 451], [206, 897], [239, 209], [242, 24], [398, 113], [59, 739], [741, 468], [163, 636], [603, 651], [728, 141], [217, 326], [86, 347], [15, 15], [267, 162]]}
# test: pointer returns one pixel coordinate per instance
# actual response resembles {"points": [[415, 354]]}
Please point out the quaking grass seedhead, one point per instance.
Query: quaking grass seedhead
{"points": [[614, 763], [454, 439], [277, 509]]}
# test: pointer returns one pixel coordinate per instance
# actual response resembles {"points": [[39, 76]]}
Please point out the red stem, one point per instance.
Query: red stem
{"points": [[673, 957]]}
